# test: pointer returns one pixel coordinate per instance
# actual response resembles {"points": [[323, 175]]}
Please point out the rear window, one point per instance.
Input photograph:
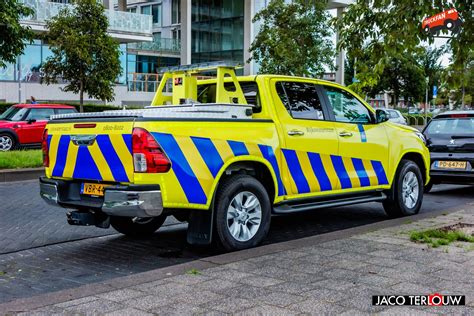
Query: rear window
{"points": [[207, 93], [451, 126]]}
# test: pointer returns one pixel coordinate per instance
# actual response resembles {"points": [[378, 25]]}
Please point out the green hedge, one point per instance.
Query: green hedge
{"points": [[5, 106], [417, 119], [87, 107]]}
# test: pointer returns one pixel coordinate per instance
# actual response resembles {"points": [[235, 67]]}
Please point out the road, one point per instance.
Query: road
{"points": [[40, 252]]}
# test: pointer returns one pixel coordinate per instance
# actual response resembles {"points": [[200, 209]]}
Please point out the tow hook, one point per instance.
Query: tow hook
{"points": [[81, 218]]}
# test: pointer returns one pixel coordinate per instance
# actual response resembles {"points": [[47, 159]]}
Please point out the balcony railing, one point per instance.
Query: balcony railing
{"points": [[118, 21], [168, 45]]}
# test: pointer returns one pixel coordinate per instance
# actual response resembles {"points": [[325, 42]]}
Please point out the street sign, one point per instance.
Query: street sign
{"points": [[435, 91]]}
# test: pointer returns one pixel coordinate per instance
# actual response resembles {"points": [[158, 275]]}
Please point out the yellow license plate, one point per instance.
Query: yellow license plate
{"points": [[451, 164], [93, 189]]}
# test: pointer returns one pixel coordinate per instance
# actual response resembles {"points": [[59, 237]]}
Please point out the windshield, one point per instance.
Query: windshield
{"points": [[451, 126], [13, 114]]}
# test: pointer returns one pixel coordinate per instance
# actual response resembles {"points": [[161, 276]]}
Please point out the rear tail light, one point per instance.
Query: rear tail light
{"points": [[148, 157], [45, 148]]}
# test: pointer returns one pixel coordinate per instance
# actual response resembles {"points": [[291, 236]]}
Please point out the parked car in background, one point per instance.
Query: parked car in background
{"points": [[413, 110], [22, 125], [395, 116], [450, 139], [435, 111]]}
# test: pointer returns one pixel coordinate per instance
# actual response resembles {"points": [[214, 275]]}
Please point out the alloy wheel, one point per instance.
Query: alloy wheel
{"points": [[244, 216], [410, 190]]}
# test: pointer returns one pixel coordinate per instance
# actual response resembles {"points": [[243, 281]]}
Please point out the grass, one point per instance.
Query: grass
{"points": [[193, 272], [437, 237], [21, 159]]}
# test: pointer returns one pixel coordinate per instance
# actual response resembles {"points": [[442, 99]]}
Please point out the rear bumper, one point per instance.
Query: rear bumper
{"points": [[440, 175], [118, 200], [452, 177]]}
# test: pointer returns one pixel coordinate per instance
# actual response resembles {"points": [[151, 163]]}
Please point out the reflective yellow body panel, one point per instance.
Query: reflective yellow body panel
{"points": [[312, 163]]}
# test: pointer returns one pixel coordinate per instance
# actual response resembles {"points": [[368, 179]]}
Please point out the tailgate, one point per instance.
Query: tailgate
{"points": [[99, 151]]}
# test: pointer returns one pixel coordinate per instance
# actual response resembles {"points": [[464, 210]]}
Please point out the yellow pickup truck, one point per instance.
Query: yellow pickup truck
{"points": [[225, 153]]}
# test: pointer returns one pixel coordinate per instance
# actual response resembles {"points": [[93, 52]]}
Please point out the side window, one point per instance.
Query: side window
{"points": [[346, 107], [40, 114], [300, 99]]}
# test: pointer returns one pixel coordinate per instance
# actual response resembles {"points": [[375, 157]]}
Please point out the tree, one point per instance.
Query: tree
{"points": [[84, 55], [403, 78], [293, 38], [13, 36], [429, 60], [375, 32]]}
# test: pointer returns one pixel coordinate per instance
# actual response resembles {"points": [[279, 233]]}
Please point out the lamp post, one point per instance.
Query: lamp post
{"points": [[426, 99]]}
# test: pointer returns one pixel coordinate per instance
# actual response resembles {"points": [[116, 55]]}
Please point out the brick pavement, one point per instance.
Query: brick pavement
{"points": [[333, 277], [28, 222]]}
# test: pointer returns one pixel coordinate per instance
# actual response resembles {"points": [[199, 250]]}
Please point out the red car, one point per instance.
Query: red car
{"points": [[448, 19], [22, 125]]}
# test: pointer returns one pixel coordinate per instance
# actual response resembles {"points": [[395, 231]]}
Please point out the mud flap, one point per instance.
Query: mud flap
{"points": [[200, 227]]}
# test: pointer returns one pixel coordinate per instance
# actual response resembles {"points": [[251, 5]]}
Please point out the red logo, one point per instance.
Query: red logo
{"points": [[435, 299], [446, 20]]}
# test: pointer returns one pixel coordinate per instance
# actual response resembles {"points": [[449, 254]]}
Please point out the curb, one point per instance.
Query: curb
{"points": [[30, 303], [10, 175]]}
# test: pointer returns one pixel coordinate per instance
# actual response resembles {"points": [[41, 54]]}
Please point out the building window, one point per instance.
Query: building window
{"points": [[217, 30], [153, 10], [132, 10], [176, 11], [176, 34]]}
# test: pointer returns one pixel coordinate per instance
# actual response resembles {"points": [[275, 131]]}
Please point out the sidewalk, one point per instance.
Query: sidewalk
{"points": [[311, 275]]}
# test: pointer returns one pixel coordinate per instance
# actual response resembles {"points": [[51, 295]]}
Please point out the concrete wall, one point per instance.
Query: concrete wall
{"points": [[53, 93]]}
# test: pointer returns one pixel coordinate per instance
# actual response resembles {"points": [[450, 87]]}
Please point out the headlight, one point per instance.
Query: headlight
{"points": [[421, 136]]}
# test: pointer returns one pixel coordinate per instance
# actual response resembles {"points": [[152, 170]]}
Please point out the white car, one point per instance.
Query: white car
{"points": [[395, 116]]}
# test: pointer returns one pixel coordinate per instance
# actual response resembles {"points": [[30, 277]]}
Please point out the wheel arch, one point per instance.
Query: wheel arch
{"points": [[9, 131], [12, 133], [257, 167], [417, 158]]}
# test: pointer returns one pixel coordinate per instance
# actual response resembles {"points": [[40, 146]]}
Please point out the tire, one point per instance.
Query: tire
{"points": [[427, 30], [400, 201], [141, 228], [428, 187], [241, 227], [449, 24], [7, 142]]}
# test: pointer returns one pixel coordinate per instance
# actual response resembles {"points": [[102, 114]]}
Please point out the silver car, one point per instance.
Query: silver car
{"points": [[395, 116]]}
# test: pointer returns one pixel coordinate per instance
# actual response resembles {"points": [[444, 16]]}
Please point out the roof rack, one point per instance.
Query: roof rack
{"points": [[200, 67], [184, 84]]}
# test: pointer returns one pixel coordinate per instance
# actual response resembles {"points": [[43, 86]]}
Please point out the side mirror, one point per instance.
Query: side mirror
{"points": [[381, 116], [30, 121]]}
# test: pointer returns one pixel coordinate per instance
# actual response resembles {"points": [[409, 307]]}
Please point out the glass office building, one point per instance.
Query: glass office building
{"points": [[153, 34], [217, 30]]}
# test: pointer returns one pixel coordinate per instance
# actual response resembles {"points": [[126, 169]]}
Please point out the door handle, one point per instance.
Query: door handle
{"points": [[345, 134], [295, 132]]}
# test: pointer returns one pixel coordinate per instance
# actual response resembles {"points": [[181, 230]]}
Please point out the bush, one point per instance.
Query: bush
{"points": [[5, 106]]}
